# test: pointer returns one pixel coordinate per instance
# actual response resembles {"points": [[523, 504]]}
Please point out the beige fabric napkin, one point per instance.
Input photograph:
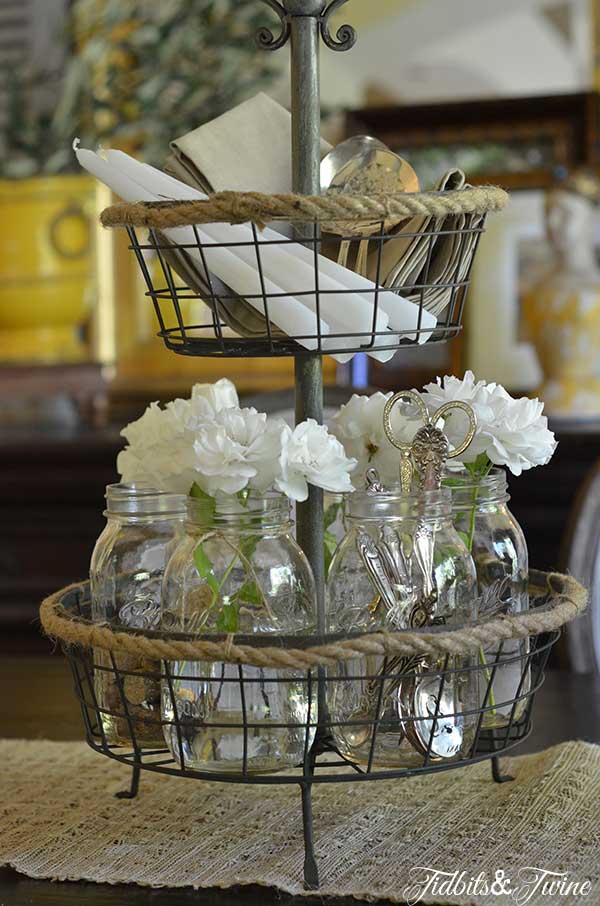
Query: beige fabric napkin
{"points": [[407, 260], [404, 257], [246, 149]]}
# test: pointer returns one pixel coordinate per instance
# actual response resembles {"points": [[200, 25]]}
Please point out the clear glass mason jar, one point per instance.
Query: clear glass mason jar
{"points": [[142, 529], [238, 570], [428, 577], [499, 549]]}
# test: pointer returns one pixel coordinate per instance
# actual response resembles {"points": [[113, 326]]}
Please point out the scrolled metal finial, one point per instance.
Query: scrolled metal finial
{"points": [[265, 37], [345, 36]]}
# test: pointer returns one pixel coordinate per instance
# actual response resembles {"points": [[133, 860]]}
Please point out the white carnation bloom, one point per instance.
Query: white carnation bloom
{"points": [[510, 432], [154, 426], [238, 448], [156, 468], [156, 454], [160, 451], [311, 455], [206, 400], [519, 438], [221, 395], [358, 425]]}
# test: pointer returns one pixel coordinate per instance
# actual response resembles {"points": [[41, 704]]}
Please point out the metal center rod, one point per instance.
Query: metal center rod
{"points": [[308, 369]]}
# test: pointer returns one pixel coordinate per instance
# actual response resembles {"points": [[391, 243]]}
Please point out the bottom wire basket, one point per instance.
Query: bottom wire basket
{"points": [[328, 710]]}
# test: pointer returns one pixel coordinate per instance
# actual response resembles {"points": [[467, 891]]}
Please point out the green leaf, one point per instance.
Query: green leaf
{"points": [[453, 482], [197, 492], [205, 568], [331, 514], [481, 466], [249, 592], [330, 545], [209, 502], [465, 538], [229, 617], [248, 546]]}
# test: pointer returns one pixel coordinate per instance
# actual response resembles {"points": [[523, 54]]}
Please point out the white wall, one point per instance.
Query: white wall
{"points": [[430, 50]]}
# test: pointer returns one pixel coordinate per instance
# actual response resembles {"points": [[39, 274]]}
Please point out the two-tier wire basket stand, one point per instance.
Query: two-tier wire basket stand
{"points": [[135, 658]]}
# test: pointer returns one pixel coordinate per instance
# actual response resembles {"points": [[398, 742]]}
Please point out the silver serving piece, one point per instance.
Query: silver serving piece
{"points": [[425, 706], [397, 560], [428, 451], [362, 165], [373, 482], [435, 718], [377, 569], [356, 147]]}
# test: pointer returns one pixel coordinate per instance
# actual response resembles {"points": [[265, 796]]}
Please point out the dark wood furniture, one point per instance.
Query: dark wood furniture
{"points": [[42, 705], [51, 501], [545, 132], [52, 498], [83, 383], [543, 499]]}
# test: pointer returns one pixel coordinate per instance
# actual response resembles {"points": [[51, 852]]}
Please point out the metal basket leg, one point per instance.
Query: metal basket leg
{"points": [[134, 785], [311, 871], [497, 774]]}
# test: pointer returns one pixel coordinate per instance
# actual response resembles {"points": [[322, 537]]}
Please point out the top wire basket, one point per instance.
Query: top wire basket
{"points": [[332, 274]]}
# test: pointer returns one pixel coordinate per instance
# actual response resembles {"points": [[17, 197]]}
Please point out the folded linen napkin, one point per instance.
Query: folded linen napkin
{"points": [[246, 149], [423, 258], [403, 257]]}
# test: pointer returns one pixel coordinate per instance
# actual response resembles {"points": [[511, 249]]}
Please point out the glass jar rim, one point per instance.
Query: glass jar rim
{"points": [[267, 509], [490, 488], [424, 504], [124, 499]]}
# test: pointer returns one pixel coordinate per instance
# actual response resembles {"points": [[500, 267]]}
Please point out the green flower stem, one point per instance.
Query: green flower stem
{"points": [[243, 553]]}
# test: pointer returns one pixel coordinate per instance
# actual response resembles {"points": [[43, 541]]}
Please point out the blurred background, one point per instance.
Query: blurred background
{"points": [[507, 91]]}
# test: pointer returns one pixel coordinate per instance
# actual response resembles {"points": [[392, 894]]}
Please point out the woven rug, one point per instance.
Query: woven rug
{"points": [[59, 819]]}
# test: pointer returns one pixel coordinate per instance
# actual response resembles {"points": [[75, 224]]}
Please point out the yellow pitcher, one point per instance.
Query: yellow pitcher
{"points": [[46, 290]]}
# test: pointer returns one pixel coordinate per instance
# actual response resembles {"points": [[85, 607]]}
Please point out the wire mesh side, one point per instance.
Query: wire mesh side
{"points": [[316, 306], [242, 724]]}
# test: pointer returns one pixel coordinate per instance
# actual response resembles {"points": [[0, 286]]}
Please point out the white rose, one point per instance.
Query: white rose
{"points": [[358, 425], [510, 432], [311, 455]]}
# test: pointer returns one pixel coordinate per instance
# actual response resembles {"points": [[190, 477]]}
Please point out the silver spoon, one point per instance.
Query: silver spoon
{"points": [[364, 165], [339, 156]]}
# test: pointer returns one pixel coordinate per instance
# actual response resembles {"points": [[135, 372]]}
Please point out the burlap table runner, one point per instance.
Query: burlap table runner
{"points": [[59, 819]]}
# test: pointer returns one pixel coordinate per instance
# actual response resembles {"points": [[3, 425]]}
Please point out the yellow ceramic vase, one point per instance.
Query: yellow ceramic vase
{"points": [[46, 291], [563, 321]]}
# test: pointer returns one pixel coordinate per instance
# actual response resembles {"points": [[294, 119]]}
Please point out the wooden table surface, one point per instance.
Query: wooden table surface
{"points": [[38, 702]]}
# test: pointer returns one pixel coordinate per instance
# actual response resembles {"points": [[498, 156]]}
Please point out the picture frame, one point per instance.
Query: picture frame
{"points": [[518, 143], [494, 348]]}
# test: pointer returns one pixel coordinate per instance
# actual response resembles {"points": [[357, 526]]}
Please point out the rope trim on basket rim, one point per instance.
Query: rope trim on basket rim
{"points": [[259, 208], [568, 600]]}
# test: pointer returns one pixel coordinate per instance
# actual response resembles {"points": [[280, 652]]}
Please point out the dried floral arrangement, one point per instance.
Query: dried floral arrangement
{"points": [[136, 71]]}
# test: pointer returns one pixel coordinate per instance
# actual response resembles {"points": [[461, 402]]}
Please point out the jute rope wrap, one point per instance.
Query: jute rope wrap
{"points": [[242, 207], [566, 599]]}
